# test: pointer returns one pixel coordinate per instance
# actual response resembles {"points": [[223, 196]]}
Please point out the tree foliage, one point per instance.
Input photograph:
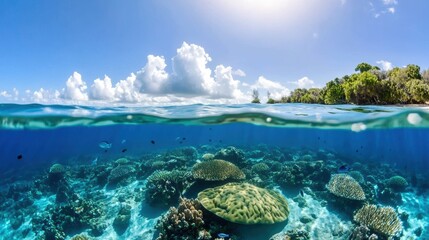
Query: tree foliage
{"points": [[405, 85]]}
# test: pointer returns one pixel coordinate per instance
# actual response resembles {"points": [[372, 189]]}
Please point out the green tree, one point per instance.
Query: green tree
{"points": [[362, 88], [334, 92], [365, 67], [413, 71], [418, 91], [255, 96]]}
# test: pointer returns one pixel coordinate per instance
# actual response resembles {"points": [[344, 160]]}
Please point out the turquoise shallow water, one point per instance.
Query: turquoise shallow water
{"points": [[300, 147]]}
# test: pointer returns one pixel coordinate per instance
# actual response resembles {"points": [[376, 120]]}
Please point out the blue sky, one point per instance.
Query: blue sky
{"points": [[54, 50]]}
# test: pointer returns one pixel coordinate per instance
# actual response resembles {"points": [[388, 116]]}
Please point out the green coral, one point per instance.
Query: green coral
{"points": [[165, 187], [382, 220], [245, 203], [342, 185], [216, 170], [120, 173], [397, 183], [260, 168]]}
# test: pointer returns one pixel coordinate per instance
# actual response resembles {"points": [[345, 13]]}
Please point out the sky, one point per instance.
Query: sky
{"points": [[206, 51]]}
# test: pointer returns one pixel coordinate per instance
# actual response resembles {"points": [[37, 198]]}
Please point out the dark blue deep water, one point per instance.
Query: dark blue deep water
{"points": [[377, 142]]}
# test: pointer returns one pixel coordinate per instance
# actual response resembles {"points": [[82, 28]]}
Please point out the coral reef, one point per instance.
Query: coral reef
{"points": [[383, 220], [245, 203], [122, 220], [260, 168], [357, 176], [183, 223], [122, 161], [397, 183], [216, 170], [342, 185], [120, 173], [292, 235], [165, 187], [231, 154]]}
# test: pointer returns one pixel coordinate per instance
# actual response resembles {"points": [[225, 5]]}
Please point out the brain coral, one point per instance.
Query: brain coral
{"points": [[342, 185], [216, 170], [397, 183], [245, 203], [383, 220]]}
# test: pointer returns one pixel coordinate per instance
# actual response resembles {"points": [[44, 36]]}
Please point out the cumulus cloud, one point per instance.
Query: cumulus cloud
{"points": [[102, 89], [385, 65], [126, 90], [153, 78], [239, 73], [391, 10], [190, 73], [276, 90], [305, 82], [190, 81], [75, 88]]}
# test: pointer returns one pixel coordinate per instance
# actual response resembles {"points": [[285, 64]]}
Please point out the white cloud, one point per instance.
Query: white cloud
{"points": [[75, 88], [225, 85], [190, 73], [385, 65], [126, 90], [239, 73], [43, 95], [153, 78], [305, 82], [277, 90], [102, 89], [390, 2], [383, 7], [5, 94]]}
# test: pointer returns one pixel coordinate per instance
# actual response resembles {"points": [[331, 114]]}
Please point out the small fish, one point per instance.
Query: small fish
{"points": [[94, 162], [210, 140], [344, 169], [123, 141], [301, 193], [183, 138], [124, 150], [105, 145], [152, 141], [223, 235], [19, 157]]}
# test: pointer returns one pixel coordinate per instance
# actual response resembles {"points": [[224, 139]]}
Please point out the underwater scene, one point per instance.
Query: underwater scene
{"points": [[232, 172]]}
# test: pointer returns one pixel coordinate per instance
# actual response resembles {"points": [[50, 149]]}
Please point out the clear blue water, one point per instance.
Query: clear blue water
{"points": [[33, 137]]}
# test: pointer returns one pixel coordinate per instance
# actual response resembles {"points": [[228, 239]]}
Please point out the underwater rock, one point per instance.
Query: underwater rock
{"points": [[360, 233], [245, 204], [165, 187], [122, 220], [217, 170], [184, 222], [383, 220], [342, 185], [17, 221], [231, 154], [397, 183]]}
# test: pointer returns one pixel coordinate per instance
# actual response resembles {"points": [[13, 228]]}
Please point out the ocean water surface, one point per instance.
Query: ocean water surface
{"points": [[79, 172]]}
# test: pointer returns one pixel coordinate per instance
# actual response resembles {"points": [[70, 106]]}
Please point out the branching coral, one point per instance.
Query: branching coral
{"points": [[184, 222], [382, 220], [119, 173], [245, 203], [165, 187], [216, 170], [342, 185]]}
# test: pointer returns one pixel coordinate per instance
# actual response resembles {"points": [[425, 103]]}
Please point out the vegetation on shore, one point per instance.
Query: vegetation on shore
{"points": [[370, 85]]}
